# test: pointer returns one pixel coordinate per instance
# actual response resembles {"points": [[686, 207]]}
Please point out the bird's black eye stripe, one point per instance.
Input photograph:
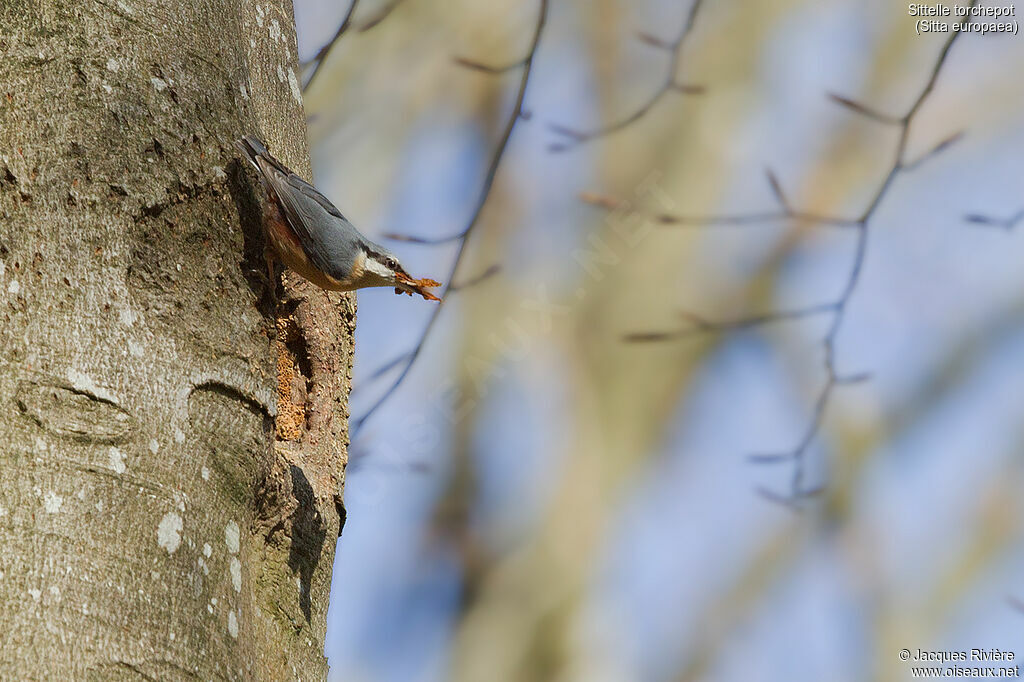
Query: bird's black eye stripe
{"points": [[387, 261]]}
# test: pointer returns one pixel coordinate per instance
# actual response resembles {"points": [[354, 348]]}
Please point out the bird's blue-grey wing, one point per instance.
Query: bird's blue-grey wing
{"points": [[314, 219]]}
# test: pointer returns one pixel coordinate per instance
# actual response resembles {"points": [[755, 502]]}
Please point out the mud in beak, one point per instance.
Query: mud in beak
{"points": [[408, 285]]}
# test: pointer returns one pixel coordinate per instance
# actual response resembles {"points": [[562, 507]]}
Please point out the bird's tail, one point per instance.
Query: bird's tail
{"points": [[251, 149], [259, 156]]}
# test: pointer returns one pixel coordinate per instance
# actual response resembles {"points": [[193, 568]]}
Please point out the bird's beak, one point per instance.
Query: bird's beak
{"points": [[408, 285]]}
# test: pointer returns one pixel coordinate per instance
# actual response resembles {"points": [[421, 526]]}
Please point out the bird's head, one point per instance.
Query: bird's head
{"points": [[381, 268]]}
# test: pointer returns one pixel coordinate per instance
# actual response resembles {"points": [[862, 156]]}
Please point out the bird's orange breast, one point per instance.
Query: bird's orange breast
{"points": [[288, 248]]}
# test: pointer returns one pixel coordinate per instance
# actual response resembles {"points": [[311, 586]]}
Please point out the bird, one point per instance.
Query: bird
{"points": [[309, 235]]}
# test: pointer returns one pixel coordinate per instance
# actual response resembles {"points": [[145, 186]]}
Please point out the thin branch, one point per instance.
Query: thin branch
{"points": [[654, 41], [688, 88], [474, 65], [798, 487], [388, 366], [934, 151], [478, 279], [775, 498], [700, 325], [474, 220], [381, 15], [425, 241], [1007, 224], [773, 182], [790, 503], [573, 137], [859, 108], [737, 220], [797, 456], [321, 56]]}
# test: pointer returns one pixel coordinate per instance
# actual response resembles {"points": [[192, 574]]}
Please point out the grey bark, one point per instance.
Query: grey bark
{"points": [[172, 444]]}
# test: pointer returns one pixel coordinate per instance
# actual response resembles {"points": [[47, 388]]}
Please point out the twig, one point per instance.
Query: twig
{"points": [[381, 15], [797, 456], [798, 489], [473, 281], [937, 149], [739, 220], [425, 241], [1007, 224], [574, 138], [862, 110], [388, 366], [699, 325], [777, 191], [474, 220], [321, 56], [474, 65]]}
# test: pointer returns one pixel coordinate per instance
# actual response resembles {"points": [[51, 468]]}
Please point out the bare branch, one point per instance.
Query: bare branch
{"points": [[574, 138], [769, 457], [1007, 224], [474, 219], [798, 489], [852, 379], [859, 108], [688, 89], [699, 325], [781, 500], [777, 190], [425, 241], [934, 151], [833, 379], [654, 41], [738, 220], [478, 279], [381, 15], [486, 68], [321, 56], [388, 366]]}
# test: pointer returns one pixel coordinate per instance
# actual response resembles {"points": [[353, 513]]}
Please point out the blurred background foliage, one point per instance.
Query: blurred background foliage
{"points": [[543, 498]]}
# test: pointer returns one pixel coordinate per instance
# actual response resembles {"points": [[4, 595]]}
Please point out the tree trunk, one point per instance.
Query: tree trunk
{"points": [[172, 450]]}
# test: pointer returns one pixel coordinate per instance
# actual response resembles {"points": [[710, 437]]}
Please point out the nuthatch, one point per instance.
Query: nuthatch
{"points": [[309, 235]]}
